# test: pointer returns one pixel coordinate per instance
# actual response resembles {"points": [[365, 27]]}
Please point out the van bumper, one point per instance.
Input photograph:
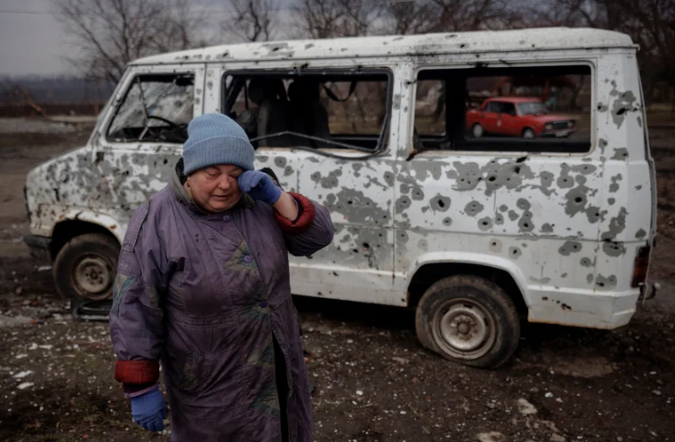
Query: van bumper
{"points": [[39, 247], [583, 308]]}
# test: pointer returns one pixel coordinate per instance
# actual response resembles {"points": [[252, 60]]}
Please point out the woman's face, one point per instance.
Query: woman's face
{"points": [[215, 188]]}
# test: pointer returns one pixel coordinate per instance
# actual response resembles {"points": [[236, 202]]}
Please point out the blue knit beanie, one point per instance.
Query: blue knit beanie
{"points": [[216, 139]]}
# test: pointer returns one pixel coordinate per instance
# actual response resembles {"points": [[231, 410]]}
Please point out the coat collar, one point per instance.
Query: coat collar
{"points": [[176, 183]]}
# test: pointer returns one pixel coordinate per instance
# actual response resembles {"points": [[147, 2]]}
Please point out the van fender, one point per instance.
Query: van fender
{"points": [[89, 216], [478, 259]]}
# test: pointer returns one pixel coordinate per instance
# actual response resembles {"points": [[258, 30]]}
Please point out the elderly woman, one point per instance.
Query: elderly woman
{"points": [[203, 285]]}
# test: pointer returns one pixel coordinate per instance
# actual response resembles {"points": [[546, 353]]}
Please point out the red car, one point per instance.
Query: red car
{"points": [[517, 117]]}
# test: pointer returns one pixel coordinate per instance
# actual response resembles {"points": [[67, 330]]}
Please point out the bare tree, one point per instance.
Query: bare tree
{"points": [[337, 18], [650, 23], [252, 20], [110, 33], [411, 17], [472, 15], [423, 16]]}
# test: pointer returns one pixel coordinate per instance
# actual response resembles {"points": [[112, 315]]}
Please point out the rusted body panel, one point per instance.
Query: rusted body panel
{"points": [[566, 227]]}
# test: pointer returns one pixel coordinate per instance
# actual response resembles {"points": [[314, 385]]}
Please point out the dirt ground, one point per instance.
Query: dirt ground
{"points": [[373, 382]]}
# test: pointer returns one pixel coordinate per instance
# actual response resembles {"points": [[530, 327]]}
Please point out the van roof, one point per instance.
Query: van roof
{"points": [[459, 42]]}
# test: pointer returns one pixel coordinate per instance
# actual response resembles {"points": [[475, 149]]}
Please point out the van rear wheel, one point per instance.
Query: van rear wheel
{"points": [[469, 320], [85, 267]]}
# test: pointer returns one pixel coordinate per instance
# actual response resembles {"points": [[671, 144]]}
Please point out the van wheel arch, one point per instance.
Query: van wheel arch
{"points": [[69, 229], [429, 274]]}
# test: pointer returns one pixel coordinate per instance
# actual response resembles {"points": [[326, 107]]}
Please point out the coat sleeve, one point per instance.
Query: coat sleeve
{"points": [[136, 317], [311, 231]]}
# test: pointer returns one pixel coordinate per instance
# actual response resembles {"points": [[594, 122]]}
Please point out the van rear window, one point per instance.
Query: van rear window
{"points": [[521, 109], [327, 109]]}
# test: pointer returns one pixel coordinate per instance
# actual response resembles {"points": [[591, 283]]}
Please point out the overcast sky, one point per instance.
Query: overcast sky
{"points": [[30, 43], [33, 43]]}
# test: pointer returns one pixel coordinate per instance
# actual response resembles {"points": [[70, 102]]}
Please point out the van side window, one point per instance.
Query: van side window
{"points": [[156, 108], [519, 109], [311, 110]]}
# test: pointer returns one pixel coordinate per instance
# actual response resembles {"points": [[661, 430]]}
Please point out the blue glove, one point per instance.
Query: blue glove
{"points": [[260, 186], [148, 410]]}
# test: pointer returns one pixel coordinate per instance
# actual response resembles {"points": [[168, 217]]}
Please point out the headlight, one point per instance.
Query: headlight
{"points": [[549, 126], [570, 124]]}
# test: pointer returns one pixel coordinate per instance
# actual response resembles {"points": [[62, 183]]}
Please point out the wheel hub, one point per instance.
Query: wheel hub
{"points": [[93, 275], [464, 329]]}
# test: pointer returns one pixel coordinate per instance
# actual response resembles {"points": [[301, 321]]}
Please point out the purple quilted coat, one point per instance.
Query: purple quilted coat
{"points": [[209, 296]]}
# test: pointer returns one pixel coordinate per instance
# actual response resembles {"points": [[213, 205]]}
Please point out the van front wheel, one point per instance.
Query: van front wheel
{"points": [[85, 267], [470, 320]]}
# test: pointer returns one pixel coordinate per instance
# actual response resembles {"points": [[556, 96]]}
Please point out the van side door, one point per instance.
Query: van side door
{"points": [[324, 132]]}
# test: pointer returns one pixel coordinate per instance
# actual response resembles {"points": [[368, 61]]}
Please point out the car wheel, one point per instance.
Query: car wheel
{"points": [[84, 269], [477, 130], [469, 320], [529, 134]]}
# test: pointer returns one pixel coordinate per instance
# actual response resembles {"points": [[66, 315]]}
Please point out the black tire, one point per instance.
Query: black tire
{"points": [[85, 268], [488, 317]]}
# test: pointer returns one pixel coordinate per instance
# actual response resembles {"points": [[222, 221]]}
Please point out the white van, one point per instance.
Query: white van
{"points": [[477, 177]]}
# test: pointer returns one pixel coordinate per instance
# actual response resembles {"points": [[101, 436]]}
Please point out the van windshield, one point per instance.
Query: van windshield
{"points": [[156, 108], [532, 108]]}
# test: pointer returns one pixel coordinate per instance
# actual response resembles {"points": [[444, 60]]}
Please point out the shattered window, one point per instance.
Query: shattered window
{"points": [[520, 109], [156, 108], [312, 110], [430, 107]]}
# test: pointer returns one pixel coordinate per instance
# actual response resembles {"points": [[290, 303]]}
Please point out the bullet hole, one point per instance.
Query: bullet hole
{"points": [[366, 245], [521, 160], [335, 274], [621, 111], [526, 225], [517, 170], [447, 222], [494, 243], [491, 179], [165, 161], [349, 202], [601, 284], [544, 298], [578, 200], [355, 251], [441, 204]]}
